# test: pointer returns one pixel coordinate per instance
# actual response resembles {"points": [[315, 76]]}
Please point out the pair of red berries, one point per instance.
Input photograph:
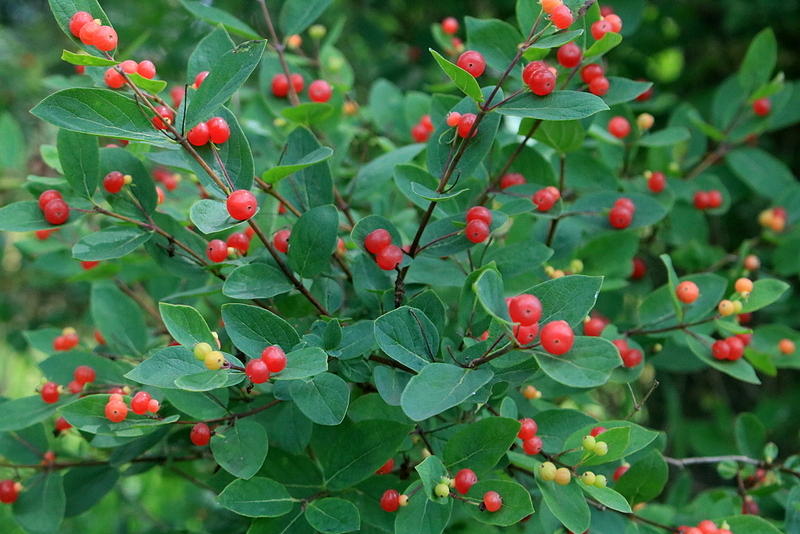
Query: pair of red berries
{"points": [[114, 181], [215, 130], [462, 123], [53, 206], [531, 443], [707, 200], [621, 214], [143, 402], [472, 62], [593, 75], [762, 107], [610, 23], [560, 15], [539, 77], [68, 340], [9, 491], [92, 32], [114, 78], [318, 91], [619, 127], [272, 360], [525, 310], [82, 375], [703, 527], [422, 131], [630, 357], [169, 179], [730, 348], [511, 179], [379, 243], [479, 221], [218, 250], [546, 198], [656, 181]]}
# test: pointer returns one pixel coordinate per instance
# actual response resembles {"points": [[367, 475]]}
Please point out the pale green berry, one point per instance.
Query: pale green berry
{"points": [[442, 490], [600, 481], [601, 448], [589, 443], [588, 478]]}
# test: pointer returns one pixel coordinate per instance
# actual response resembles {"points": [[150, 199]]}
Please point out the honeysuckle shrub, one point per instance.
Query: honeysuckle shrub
{"points": [[382, 244]]}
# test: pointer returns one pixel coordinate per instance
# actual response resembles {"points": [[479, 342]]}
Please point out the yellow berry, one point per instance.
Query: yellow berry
{"points": [[601, 448], [588, 478], [214, 360], [547, 471], [726, 307], [442, 490], [201, 349], [589, 443], [563, 476], [127, 179], [737, 306], [765, 218], [294, 41], [403, 500], [317, 31], [645, 121], [576, 266], [549, 270], [531, 393], [558, 273], [69, 331], [600, 481]]}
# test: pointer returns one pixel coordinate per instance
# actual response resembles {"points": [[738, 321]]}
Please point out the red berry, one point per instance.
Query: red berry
{"points": [[140, 402], [280, 240], [242, 204], [599, 86], [557, 337], [84, 374], [128, 66], [479, 213], [561, 17], [511, 179], [47, 196], [200, 78], [619, 127], [77, 21], [116, 411], [594, 327], [632, 358], [200, 434], [620, 218], [736, 348], [275, 358], [472, 62], [464, 480], [257, 371], [426, 121], [622, 346], [377, 240], [386, 468], [532, 68], [9, 491], [687, 292], [525, 335], [492, 501], [113, 78], [62, 424], [545, 199], [218, 130], [591, 71], [320, 91], [420, 133], [714, 199], [217, 250], [75, 387], [745, 338], [542, 82], [657, 182], [615, 21], [105, 38], [702, 200], [532, 446], [297, 82], [390, 500], [762, 107], [600, 28], [477, 231], [239, 241], [569, 55], [525, 309], [453, 118], [527, 429], [88, 30], [720, 350], [146, 69], [41, 235], [647, 95], [56, 211], [113, 182], [465, 125], [389, 257], [707, 527], [280, 85], [619, 471], [639, 269], [450, 25], [153, 406], [165, 116], [198, 136], [596, 431]]}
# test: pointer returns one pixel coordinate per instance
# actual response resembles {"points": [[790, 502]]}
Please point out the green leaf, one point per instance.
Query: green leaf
{"points": [[488, 287], [257, 497], [752, 524], [588, 364], [24, 216], [352, 452], [207, 50], [98, 112], [765, 174], [86, 59], [557, 39], [567, 504], [151, 86], [14, 150], [185, 324], [241, 449], [40, 508], [311, 186], [225, 77], [165, 366], [323, 399], [440, 386], [557, 106], [86, 486], [759, 62], [564, 136], [645, 479], [88, 415], [465, 81], [313, 240], [211, 216], [479, 446], [252, 329], [624, 90], [431, 195], [666, 137], [495, 39], [109, 244], [765, 292], [333, 516], [407, 336], [422, 516], [750, 434], [607, 497], [256, 281], [108, 306], [603, 46], [569, 298], [517, 503], [739, 369], [21, 413], [303, 363], [215, 16], [431, 471], [297, 15], [279, 172], [80, 161]]}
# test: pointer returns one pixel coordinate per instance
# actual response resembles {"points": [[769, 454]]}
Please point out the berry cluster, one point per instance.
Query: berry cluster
{"points": [[560, 15], [479, 221], [273, 360], [610, 23], [539, 77], [546, 198], [730, 348], [704, 527], [773, 218], [549, 472], [215, 130], [707, 200], [68, 340], [630, 357], [53, 206], [594, 446], [143, 402], [525, 311], [591, 479], [318, 91], [687, 292], [472, 62], [212, 359], [114, 181], [92, 32], [170, 180], [422, 131], [656, 180], [594, 76], [115, 79], [511, 179], [531, 393], [117, 411], [621, 214], [463, 123], [379, 244], [531, 443], [82, 375], [9, 491]]}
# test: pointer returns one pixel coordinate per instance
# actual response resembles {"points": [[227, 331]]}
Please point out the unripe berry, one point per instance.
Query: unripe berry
{"points": [[390, 500], [217, 250], [389, 258], [591, 71], [77, 21], [49, 392], [726, 308], [547, 471], [242, 205], [561, 17], [464, 480], [525, 309], [511, 179], [477, 231], [599, 86], [320, 91], [563, 476], [588, 478], [589, 443], [786, 346], [465, 125], [645, 121], [140, 402], [214, 360], [450, 26], [737, 308], [492, 501], [557, 337], [600, 481], [257, 371], [744, 286], [533, 445], [200, 434], [569, 55], [116, 411], [280, 240], [198, 136], [687, 292], [201, 350], [528, 428], [56, 211], [472, 62], [386, 468], [601, 448], [275, 358], [441, 490], [218, 130], [317, 31], [762, 107], [619, 127]]}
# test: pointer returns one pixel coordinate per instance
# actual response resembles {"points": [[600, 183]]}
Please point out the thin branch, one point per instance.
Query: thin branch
{"points": [[279, 48], [231, 417], [641, 331]]}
